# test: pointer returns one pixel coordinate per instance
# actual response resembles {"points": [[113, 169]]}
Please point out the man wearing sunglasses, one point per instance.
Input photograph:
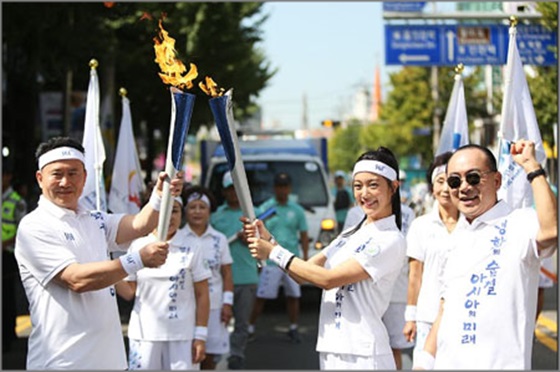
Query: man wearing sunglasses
{"points": [[489, 294]]}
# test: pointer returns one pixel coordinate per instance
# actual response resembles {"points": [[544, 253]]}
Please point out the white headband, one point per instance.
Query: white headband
{"points": [[60, 153], [198, 196], [374, 166], [438, 170], [178, 200]]}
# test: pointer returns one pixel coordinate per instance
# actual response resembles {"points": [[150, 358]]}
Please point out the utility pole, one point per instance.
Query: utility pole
{"points": [[435, 96], [304, 120]]}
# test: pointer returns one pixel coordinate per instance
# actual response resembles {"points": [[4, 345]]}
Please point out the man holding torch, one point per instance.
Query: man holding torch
{"points": [[62, 252]]}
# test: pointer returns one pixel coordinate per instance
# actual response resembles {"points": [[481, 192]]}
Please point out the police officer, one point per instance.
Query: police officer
{"points": [[14, 208]]}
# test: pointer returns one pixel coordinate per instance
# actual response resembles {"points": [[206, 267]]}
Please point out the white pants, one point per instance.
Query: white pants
{"points": [[270, 280], [394, 322], [422, 330], [218, 335], [349, 361], [161, 355]]}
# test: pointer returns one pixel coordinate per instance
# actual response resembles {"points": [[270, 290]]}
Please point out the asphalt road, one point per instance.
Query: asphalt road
{"points": [[272, 349]]}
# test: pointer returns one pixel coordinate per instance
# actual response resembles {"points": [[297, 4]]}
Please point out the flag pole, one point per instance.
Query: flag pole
{"points": [[506, 106], [96, 164], [459, 79]]}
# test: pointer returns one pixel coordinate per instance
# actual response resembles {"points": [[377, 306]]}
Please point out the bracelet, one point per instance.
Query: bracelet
{"points": [[155, 200], [227, 298], [131, 262], [280, 256], [201, 333], [536, 173], [289, 262], [424, 360], [410, 313], [272, 240]]}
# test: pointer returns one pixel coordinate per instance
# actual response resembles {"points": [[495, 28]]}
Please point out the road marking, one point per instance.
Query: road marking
{"points": [[546, 340], [548, 323], [546, 332], [23, 325]]}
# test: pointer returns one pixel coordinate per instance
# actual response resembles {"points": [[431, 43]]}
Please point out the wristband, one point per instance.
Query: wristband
{"points": [[280, 256], [227, 298], [131, 262], [534, 174], [289, 262], [155, 200], [410, 313], [424, 360], [200, 333]]}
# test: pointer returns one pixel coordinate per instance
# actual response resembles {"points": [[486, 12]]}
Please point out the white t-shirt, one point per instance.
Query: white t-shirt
{"points": [[215, 253], [70, 330], [355, 215], [165, 304], [400, 290], [490, 292], [350, 317], [428, 241]]}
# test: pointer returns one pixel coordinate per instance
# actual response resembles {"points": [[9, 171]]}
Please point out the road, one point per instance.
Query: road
{"points": [[272, 350]]}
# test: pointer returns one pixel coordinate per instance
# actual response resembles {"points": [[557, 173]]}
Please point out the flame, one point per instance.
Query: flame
{"points": [[211, 88], [172, 69]]}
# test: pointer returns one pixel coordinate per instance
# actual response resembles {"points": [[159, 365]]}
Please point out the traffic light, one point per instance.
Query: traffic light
{"points": [[330, 123]]}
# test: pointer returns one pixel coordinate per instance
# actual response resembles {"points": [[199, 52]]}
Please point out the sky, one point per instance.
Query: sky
{"points": [[326, 51]]}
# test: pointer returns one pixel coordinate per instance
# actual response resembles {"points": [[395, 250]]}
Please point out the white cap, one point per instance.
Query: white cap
{"points": [[227, 181], [339, 173]]}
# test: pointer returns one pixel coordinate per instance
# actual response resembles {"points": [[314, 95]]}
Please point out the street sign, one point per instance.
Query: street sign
{"points": [[404, 6], [536, 45], [448, 45]]}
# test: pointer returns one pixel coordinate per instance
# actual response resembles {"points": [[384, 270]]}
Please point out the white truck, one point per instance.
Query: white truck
{"points": [[305, 160]]}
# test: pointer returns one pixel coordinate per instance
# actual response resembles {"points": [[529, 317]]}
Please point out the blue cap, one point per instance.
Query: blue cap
{"points": [[227, 181]]}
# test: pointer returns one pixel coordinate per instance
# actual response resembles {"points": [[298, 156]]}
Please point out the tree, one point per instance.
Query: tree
{"points": [[344, 147], [47, 46], [406, 121], [544, 85]]}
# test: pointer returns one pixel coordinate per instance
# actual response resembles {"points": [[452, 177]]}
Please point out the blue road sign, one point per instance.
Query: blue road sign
{"points": [[441, 45], [404, 6]]}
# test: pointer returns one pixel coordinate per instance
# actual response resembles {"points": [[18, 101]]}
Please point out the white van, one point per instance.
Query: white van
{"points": [[304, 160]]}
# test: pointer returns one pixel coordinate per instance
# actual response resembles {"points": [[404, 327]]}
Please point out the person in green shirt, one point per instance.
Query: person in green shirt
{"points": [[244, 269], [343, 198], [289, 228]]}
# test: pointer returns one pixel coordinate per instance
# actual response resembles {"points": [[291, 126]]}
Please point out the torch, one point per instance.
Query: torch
{"points": [[263, 217], [182, 104], [222, 109]]}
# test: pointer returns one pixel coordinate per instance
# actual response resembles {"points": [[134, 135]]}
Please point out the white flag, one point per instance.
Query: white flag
{"points": [[126, 183], [455, 132], [518, 122], [93, 197]]}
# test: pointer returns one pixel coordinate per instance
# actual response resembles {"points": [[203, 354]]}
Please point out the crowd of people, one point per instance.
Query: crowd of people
{"points": [[391, 279]]}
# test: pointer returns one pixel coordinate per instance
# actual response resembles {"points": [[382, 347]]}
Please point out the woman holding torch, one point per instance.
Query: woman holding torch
{"points": [[357, 271]]}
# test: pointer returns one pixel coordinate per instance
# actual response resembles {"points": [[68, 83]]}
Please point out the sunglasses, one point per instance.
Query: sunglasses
{"points": [[473, 178]]}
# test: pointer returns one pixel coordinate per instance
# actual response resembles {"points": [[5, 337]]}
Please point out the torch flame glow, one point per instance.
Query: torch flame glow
{"points": [[172, 68], [211, 88]]}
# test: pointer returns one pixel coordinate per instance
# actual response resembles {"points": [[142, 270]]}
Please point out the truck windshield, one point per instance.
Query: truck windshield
{"points": [[308, 185]]}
